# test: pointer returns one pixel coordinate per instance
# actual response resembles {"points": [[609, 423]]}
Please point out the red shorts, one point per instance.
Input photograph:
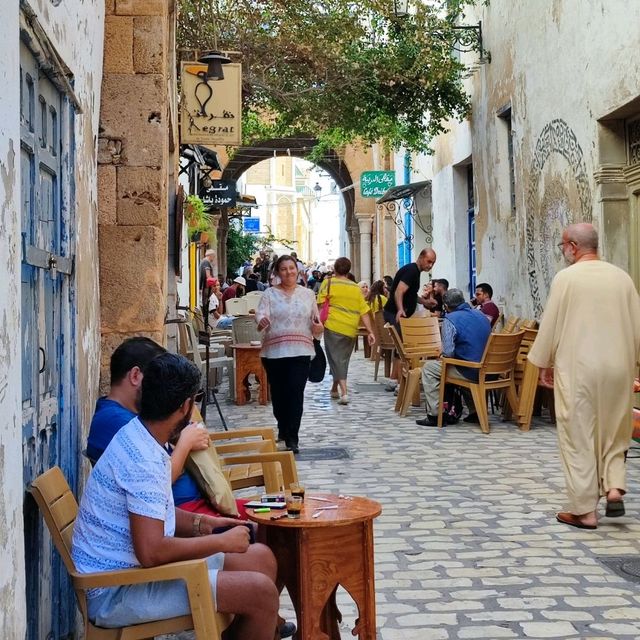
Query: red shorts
{"points": [[202, 506]]}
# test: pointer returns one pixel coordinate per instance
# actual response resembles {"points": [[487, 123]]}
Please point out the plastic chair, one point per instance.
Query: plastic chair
{"points": [[236, 307], [383, 348], [60, 509], [245, 330], [495, 371]]}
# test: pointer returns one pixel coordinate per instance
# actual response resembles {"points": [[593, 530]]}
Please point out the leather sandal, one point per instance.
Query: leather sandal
{"points": [[614, 509], [573, 521]]}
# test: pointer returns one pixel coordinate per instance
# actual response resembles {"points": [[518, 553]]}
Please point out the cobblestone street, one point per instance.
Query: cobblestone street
{"points": [[467, 545]]}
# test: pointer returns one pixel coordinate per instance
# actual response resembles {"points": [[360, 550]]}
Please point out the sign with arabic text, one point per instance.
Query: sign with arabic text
{"points": [[373, 184], [220, 195], [211, 110]]}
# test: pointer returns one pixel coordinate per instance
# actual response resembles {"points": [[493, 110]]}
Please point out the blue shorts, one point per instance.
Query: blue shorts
{"points": [[137, 603]]}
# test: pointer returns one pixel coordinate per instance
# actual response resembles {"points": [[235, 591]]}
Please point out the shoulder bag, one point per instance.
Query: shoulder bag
{"points": [[318, 364], [324, 309]]}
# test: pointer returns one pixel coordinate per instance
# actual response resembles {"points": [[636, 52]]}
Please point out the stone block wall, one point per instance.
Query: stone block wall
{"points": [[133, 171]]}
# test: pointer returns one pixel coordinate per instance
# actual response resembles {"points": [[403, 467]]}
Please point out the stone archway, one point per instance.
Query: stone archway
{"points": [[245, 157]]}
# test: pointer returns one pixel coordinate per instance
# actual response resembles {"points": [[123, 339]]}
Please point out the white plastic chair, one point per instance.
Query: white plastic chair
{"points": [[236, 307]]}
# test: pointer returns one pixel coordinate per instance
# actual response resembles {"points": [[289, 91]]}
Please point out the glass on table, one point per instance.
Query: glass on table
{"points": [[297, 490], [294, 506]]}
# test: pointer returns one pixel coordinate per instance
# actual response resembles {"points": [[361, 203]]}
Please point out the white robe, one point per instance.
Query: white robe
{"points": [[590, 335]]}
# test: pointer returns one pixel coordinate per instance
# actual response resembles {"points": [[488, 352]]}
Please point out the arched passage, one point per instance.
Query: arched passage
{"points": [[245, 157]]}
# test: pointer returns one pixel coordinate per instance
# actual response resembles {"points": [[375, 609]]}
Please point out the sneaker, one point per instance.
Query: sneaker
{"points": [[335, 394], [391, 386], [344, 400], [287, 629]]}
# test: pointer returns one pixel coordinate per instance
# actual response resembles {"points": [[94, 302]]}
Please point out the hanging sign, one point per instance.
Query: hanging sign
{"points": [[220, 195], [251, 225], [373, 184], [211, 110]]}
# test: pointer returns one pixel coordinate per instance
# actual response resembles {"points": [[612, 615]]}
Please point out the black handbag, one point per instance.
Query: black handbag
{"points": [[318, 364]]}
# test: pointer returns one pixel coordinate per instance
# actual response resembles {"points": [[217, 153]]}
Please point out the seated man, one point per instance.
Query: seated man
{"points": [[483, 302], [121, 405], [464, 336], [127, 518]]}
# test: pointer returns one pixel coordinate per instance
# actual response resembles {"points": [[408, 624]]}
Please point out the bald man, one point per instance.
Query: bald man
{"points": [[403, 298], [588, 349]]}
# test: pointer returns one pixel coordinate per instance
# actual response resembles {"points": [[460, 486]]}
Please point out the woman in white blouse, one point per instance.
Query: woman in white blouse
{"points": [[288, 315]]}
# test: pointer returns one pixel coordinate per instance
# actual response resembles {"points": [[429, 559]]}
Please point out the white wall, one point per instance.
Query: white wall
{"points": [[75, 29], [12, 604]]}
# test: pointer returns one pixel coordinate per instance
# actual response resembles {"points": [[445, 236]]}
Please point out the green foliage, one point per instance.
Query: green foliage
{"points": [[196, 216], [265, 241], [342, 70], [240, 247]]}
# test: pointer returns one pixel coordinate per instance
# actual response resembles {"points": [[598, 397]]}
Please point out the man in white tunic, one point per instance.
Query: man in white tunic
{"points": [[588, 348]]}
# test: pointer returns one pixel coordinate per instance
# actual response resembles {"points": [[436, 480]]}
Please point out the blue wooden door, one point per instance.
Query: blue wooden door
{"points": [[472, 253], [47, 435]]}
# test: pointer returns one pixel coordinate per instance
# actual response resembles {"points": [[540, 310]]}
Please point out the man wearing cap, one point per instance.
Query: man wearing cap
{"points": [[236, 290]]}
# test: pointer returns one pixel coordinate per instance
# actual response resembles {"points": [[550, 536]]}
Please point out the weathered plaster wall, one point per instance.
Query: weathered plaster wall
{"points": [[12, 582], [133, 171], [76, 29], [560, 66]]}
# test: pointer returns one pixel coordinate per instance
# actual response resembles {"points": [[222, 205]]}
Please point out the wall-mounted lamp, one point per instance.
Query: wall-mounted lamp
{"points": [[470, 39], [214, 61]]}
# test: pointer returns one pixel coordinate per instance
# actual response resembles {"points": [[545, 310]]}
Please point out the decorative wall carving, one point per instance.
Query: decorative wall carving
{"points": [[559, 194]]}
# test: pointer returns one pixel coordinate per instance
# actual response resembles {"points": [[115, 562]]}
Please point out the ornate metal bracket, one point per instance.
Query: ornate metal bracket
{"points": [[470, 39]]}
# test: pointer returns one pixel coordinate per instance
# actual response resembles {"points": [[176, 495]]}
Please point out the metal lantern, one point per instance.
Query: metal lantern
{"points": [[214, 61]]}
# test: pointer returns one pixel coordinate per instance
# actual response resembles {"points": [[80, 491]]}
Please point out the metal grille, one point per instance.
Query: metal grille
{"points": [[323, 453], [634, 142]]}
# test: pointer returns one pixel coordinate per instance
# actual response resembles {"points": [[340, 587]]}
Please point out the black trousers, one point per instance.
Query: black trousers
{"points": [[287, 379]]}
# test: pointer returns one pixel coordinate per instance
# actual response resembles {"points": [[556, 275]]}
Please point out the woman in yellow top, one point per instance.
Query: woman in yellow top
{"points": [[347, 307], [376, 298]]}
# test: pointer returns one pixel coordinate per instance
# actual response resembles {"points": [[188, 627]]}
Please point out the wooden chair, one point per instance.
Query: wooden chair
{"points": [[511, 324], [422, 334], [362, 332], [383, 347], [529, 324], [495, 371], [60, 509], [528, 338], [411, 361]]}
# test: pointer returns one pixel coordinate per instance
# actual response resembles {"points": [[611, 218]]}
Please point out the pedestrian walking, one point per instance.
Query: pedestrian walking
{"points": [[347, 308], [288, 315], [588, 348]]}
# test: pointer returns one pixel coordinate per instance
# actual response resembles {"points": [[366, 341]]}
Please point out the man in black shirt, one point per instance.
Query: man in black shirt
{"points": [[403, 297]]}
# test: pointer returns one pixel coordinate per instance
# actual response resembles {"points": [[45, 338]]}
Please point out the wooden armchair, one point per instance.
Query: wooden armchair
{"points": [[495, 371], [510, 324], [383, 347], [411, 361], [421, 334], [60, 509]]}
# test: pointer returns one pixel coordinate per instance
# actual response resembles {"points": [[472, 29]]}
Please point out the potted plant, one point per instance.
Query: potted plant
{"points": [[198, 220]]}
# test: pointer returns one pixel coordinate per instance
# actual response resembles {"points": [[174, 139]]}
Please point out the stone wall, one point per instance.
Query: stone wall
{"points": [[134, 166]]}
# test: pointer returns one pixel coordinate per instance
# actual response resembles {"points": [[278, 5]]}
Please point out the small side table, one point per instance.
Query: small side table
{"points": [[247, 360], [316, 555]]}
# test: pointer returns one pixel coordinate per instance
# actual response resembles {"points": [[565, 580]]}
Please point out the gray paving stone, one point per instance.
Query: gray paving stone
{"points": [[467, 545]]}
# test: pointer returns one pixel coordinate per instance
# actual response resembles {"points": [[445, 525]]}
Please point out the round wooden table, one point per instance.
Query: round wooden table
{"points": [[316, 555]]}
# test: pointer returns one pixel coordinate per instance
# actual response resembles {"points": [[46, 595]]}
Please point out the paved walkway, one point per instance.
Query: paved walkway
{"points": [[467, 545]]}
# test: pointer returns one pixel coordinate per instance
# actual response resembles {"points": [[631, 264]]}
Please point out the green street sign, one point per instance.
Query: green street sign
{"points": [[374, 184]]}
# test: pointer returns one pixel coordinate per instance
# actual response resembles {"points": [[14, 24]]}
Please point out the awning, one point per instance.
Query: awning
{"points": [[403, 191]]}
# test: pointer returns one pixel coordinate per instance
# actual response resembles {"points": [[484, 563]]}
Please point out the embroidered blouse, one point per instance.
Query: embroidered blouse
{"points": [[290, 316]]}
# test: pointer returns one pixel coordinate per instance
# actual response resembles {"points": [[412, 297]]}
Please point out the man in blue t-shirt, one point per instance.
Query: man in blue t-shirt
{"points": [[127, 518]]}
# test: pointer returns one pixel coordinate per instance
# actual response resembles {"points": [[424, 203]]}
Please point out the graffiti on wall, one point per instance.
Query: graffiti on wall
{"points": [[559, 194]]}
